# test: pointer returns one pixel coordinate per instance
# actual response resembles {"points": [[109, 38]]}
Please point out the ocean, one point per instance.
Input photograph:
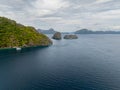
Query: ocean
{"points": [[91, 62]]}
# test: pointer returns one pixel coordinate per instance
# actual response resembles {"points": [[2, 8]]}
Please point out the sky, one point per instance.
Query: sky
{"points": [[64, 15]]}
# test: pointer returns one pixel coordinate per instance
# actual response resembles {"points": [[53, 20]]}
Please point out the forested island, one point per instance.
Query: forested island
{"points": [[13, 34]]}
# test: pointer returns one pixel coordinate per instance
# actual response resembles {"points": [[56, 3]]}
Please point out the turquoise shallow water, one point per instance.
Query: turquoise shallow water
{"points": [[91, 62]]}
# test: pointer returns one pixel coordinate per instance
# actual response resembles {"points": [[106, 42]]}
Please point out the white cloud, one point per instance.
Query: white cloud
{"points": [[46, 7], [117, 27], [111, 14], [51, 19], [102, 1]]}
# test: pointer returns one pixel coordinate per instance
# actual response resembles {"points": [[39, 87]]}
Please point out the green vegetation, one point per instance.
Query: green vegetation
{"points": [[13, 34]]}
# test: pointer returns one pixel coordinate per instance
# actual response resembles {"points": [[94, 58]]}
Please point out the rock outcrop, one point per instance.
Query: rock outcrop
{"points": [[57, 36], [70, 37]]}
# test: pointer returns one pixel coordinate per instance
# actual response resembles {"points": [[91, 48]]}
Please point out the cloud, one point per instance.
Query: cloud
{"points": [[115, 27], [64, 15], [46, 7], [102, 1]]}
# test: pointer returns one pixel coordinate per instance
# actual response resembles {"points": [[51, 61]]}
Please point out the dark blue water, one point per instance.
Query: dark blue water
{"points": [[91, 62]]}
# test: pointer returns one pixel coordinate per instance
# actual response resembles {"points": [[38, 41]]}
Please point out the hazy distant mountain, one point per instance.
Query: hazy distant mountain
{"points": [[50, 31], [86, 31], [83, 31]]}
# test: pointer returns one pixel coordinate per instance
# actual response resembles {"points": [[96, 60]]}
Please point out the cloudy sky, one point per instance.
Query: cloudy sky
{"points": [[64, 15]]}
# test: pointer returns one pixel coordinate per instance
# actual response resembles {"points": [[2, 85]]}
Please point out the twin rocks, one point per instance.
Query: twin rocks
{"points": [[58, 36]]}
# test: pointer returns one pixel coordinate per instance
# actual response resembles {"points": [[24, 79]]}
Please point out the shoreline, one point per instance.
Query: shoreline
{"points": [[14, 48]]}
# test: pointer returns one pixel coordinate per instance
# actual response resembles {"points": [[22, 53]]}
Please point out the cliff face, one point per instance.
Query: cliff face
{"points": [[13, 34]]}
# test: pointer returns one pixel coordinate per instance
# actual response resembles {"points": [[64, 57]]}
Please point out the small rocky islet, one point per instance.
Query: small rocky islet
{"points": [[13, 34], [58, 36], [70, 37]]}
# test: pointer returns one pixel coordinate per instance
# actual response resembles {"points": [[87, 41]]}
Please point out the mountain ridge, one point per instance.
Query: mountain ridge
{"points": [[86, 31]]}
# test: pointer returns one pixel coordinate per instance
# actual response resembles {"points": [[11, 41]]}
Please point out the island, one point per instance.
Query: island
{"points": [[49, 31], [57, 36], [13, 34], [70, 37], [87, 31]]}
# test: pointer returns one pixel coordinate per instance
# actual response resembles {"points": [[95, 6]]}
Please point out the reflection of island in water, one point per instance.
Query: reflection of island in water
{"points": [[12, 51]]}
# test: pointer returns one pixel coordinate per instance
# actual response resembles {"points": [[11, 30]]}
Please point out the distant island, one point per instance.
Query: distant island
{"points": [[49, 31], [81, 31], [86, 31], [13, 35]]}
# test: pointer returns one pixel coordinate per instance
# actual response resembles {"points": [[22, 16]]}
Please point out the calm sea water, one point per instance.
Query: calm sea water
{"points": [[91, 62]]}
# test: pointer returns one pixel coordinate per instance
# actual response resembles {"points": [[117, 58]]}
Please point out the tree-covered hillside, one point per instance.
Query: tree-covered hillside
{"points": [[13, 34]]}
